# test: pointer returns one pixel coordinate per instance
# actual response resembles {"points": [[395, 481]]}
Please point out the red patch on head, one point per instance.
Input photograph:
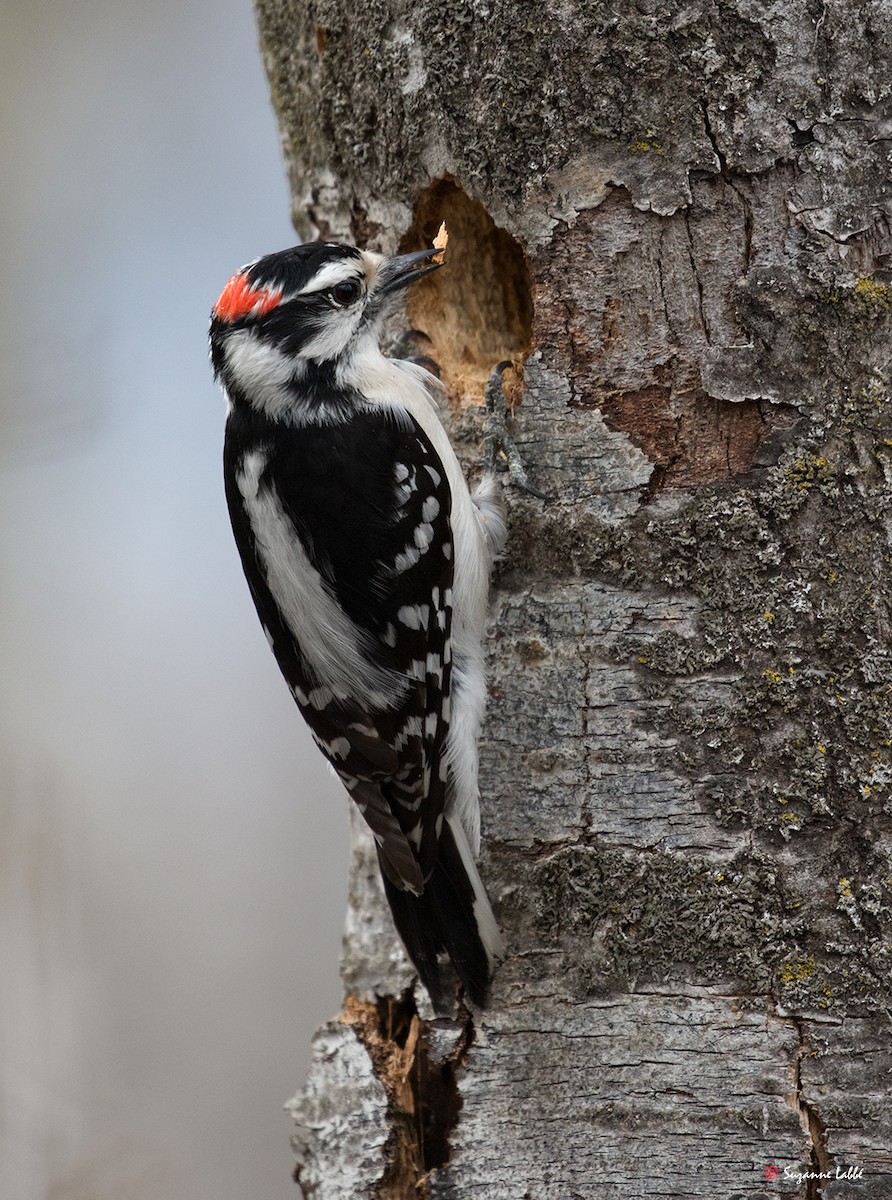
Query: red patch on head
{"points": [[239, 299]]}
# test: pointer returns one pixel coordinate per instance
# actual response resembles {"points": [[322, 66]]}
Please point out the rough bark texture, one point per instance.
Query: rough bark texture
{"points": [[678, 219]]}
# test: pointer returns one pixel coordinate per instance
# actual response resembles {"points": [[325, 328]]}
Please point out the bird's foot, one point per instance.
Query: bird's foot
{"points": [[409, 347], [499, 451]]}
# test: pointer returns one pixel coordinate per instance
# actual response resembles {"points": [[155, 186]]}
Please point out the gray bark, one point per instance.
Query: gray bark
{"points": [[686, 763]]}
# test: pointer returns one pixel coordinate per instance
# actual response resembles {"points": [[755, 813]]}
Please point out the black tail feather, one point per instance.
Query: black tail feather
{"points": [[442, 919]]}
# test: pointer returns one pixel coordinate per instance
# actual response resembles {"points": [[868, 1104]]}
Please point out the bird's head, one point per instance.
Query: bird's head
{"points": [[302, 312]]}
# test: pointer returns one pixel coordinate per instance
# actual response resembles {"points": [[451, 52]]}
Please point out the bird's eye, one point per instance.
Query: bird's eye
{"points": [[346, 293]]}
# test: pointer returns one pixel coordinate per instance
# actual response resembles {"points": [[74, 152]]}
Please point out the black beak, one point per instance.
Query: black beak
{"points": [[398, 273]]}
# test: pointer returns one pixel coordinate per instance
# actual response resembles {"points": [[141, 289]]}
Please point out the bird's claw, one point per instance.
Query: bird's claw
{"points": [[407, 347], [499, 450]]}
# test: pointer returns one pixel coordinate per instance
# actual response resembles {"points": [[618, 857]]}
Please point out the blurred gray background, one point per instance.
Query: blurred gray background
{"points": [[173, 851]]}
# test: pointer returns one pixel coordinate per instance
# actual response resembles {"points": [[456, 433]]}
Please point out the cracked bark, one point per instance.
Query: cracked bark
{"points": [[686, 764]]}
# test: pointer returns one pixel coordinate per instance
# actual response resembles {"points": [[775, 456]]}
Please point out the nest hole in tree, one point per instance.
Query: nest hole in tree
{"points": [[478, 309]]}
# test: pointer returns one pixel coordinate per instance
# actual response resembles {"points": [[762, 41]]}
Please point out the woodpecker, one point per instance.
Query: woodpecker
{"points": [[368, 560]]}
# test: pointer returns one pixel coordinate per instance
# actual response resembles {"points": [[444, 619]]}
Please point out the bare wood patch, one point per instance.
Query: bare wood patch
{"points": [[416, 1062]]}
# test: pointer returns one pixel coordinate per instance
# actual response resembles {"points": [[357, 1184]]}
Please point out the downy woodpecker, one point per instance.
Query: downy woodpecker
{"points": [[368, 561]]}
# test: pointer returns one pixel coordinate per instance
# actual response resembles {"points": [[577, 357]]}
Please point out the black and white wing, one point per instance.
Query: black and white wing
{"points": [[344, 535]]}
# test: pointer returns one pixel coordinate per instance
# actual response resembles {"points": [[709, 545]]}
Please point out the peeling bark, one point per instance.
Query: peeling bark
{"points": [[677, 223]]}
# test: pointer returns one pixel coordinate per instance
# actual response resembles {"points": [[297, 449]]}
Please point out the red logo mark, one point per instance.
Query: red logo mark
{"points": [[771, 1172]]}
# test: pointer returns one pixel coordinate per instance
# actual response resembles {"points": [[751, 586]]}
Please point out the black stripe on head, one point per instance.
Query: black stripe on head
{"points": [[291, 270]]}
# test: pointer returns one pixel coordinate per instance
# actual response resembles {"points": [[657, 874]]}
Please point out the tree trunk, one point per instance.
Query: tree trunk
{"points": [[677, 219]]}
